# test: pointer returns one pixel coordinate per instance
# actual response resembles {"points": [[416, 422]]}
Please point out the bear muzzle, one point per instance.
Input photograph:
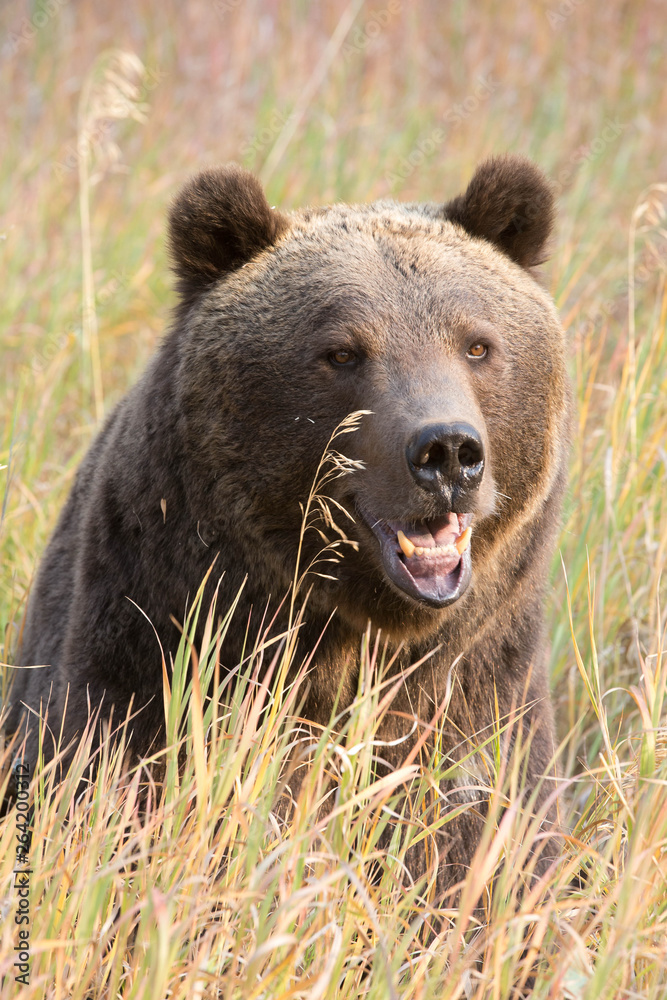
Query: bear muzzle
{"points": [[427, 555]]}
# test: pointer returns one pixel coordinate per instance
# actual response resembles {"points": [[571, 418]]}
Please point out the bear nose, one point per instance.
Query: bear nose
{"points": [[445, 454]]}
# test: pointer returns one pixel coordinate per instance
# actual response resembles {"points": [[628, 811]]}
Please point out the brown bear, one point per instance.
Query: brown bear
{"points": [[427, 316]]}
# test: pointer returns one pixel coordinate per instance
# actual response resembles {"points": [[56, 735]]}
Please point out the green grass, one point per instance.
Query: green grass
{"points": [[216, 889]]}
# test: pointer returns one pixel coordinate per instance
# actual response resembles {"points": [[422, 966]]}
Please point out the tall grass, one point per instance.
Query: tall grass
{"points": [[208, 884]]}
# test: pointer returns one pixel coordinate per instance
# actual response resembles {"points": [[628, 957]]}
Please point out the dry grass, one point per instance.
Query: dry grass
{"points": [[215, 892]]}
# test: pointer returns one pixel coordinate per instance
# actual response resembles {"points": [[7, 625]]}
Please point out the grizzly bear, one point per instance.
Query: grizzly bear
{"points": [[428, 317]]}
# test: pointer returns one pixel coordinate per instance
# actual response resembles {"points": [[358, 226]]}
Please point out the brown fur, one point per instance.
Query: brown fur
{"points": [[230, 419]]}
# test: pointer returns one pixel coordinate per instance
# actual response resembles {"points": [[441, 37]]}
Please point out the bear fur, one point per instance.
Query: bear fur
{"points": [[430, 317]]}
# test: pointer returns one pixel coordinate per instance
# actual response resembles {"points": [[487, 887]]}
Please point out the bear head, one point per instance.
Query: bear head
{"points": [[428, 319]]}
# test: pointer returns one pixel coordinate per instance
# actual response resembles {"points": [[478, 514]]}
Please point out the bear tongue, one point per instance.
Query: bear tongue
{"points": [[427, 567]]}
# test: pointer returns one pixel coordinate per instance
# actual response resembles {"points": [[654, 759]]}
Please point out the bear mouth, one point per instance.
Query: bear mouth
{"points": [[428, 560]]}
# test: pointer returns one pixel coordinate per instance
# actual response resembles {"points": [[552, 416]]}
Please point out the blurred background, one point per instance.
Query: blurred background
{"points": [[107, 109]]}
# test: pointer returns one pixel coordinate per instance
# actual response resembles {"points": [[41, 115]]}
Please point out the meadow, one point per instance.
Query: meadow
{"points": [[209, 891]]}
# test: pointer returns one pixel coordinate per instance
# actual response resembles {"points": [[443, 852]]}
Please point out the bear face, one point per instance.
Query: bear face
{"points": [[429, 320], [454, 349]]}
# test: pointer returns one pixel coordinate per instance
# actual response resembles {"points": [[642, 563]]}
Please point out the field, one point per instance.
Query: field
{"points": [[106, 110]]}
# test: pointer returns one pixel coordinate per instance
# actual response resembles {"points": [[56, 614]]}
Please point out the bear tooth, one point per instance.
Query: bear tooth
{"points": [[407, 547], [463, 541]]}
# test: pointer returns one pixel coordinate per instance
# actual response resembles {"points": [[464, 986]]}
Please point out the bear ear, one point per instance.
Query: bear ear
{"points": [[509, 202], [220, 220]]}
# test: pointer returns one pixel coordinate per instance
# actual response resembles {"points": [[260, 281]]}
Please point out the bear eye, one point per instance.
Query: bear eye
{"points": [[478, 351], [342, 357]]}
